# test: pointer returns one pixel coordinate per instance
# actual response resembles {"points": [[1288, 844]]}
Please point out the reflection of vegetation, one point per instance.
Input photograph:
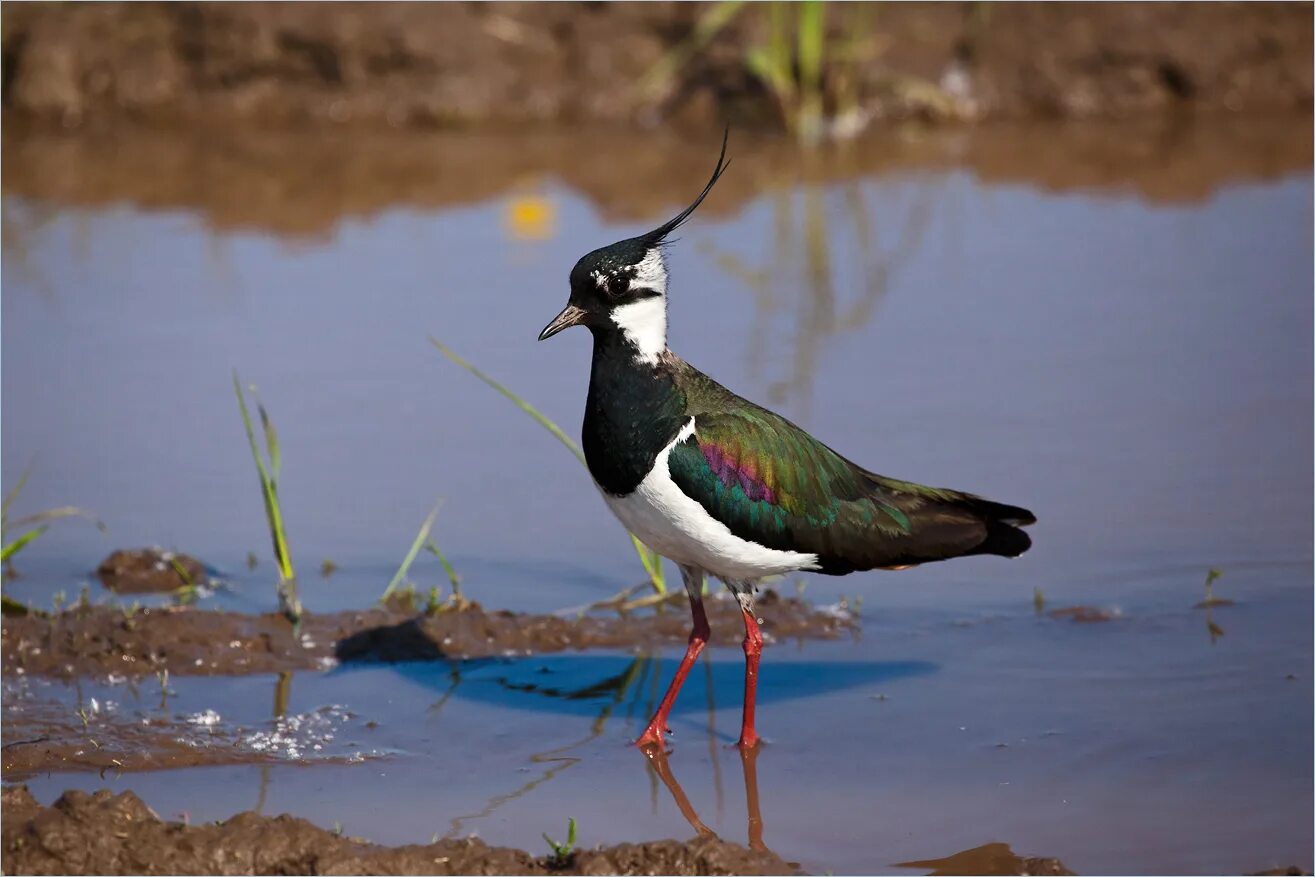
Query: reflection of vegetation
{"points": [[20, 222], [809, 240], [619, 686], [282, 690], [286, 589], [1210, 602], [651, 561]]}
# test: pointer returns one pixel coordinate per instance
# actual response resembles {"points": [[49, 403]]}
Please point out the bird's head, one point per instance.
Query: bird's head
{"points": [[622, 287]]}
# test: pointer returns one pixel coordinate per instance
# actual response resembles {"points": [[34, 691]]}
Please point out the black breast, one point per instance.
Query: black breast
{"points": [[634, 410]]}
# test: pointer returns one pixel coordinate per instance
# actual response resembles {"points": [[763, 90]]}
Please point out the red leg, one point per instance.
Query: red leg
{"points": [[753, 649], [654, 734]]}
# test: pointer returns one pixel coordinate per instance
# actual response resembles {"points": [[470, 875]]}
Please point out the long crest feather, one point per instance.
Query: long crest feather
{"points": [[659, 234]]}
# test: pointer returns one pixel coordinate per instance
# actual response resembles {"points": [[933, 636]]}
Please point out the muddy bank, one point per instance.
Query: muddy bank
{"points": [[102, 640], [396, 65], [303, 183], [118, 834]]}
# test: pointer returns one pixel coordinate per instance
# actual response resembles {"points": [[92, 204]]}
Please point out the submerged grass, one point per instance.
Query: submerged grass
{"points": [[289, 604], [651, 561]]}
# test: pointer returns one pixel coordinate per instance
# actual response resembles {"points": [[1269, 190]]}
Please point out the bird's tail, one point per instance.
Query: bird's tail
{"points": [[1003, 522]]}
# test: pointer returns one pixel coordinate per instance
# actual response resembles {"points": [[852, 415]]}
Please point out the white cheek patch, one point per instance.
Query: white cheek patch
{"points": [[644, 324], [651, 273]]}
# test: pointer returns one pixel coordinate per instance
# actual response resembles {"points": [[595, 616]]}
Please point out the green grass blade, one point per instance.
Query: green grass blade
{"points": [[652, 566], [67, 511], [12, 548], [15, 491], [520, 403], [411, 553], [271, 442], [811, 38], [453, 579], [657, 80], [289, 605]]}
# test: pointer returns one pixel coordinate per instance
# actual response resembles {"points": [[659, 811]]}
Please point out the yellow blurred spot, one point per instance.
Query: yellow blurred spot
{"points": [[530, 217]]}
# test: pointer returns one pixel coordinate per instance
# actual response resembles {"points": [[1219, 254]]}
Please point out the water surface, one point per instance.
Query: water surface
{"points": [[1133, 366]]}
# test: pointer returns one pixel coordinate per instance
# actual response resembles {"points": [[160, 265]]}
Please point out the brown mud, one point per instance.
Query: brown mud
{"points": [[100, 640], [149, 571], [301, 183], [992, 858], [118, 834], [406, 65]]}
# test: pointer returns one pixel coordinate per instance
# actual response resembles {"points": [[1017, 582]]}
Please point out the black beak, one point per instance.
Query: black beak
{"points": [[570, 316]]}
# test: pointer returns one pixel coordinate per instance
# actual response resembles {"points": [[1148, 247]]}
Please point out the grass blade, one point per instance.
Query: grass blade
{"points": [[67, 511], [658, 80], [289, 604], [271, 442], [453, 579], [12, 548], [520, 403], [411, 553], [15, 491], [651, 561]]}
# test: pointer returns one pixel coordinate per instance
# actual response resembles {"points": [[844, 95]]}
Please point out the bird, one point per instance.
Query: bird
{"points": [[727, 488]]}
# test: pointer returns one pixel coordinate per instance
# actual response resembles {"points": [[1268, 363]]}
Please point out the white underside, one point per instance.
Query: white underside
{"points": [[677, 527]]}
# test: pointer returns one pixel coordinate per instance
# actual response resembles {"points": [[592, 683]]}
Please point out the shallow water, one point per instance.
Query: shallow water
{"points": [[1135, 371]]}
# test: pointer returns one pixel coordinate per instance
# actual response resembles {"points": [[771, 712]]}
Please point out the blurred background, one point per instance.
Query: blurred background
{"points": [[1057, 254]]}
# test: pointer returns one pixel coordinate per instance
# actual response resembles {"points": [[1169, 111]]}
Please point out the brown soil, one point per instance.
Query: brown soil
{"points": [[118, 834], [149, 571], [401, 64], [992, 858], [103, 640]]}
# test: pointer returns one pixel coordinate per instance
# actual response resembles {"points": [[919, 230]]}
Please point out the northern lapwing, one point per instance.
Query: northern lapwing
{"points": [[725, 487]]}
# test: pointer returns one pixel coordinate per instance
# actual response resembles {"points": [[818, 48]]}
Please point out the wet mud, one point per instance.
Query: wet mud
{"points": [[149, 571], [404, 65], [992, 858], [99, 640], [41, 738], [102, 833]]}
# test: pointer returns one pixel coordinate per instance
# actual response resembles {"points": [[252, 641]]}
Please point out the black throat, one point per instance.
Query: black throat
{"points": [[634, 410]]}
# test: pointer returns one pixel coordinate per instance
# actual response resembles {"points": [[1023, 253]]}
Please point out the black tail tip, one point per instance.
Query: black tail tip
{"points": [[1005, 540]]}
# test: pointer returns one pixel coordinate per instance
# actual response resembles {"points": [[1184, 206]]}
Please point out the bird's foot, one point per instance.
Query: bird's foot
{"points": [[748, 740], [654, 736]]}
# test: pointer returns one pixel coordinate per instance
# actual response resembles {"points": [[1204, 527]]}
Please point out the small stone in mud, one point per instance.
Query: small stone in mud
{"points": [[149, 570]]}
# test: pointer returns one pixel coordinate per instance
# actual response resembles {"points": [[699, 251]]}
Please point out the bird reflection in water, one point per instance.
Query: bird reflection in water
{"points": [[660, 763]]}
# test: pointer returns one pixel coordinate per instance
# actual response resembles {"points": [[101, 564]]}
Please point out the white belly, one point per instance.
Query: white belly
{"points": [[677, 527]]}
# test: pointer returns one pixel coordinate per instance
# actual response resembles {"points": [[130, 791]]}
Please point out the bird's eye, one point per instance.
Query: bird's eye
{"points": [[617, 285]]}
